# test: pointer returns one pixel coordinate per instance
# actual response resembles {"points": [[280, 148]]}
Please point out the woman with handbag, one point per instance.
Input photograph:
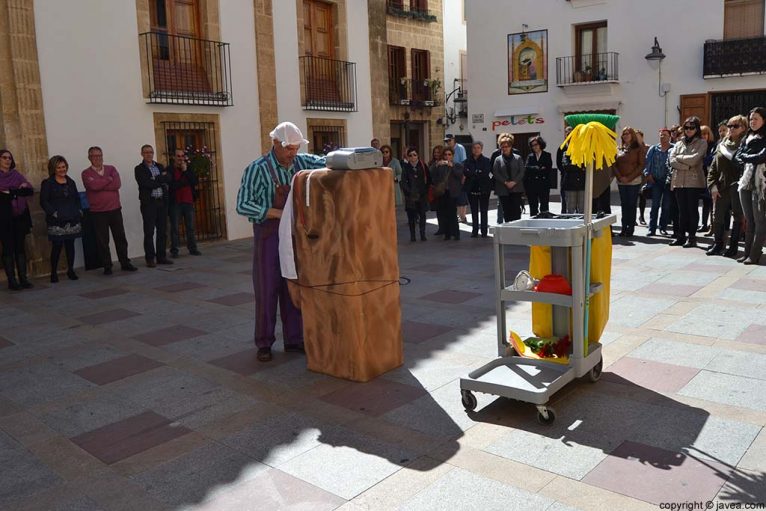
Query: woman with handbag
{"points": [[61, 202], [537, 183], [414, 185]]}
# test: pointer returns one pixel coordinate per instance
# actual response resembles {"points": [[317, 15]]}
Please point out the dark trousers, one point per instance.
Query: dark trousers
{"points": [[183, 211], [479, 203], [603, 203], [56, 246], [13, 252], [707, 207], [103, 221], [155, 215], [728, 201], [538, 195], [271, 290], [660, 199], [447, 214], [511, 206], [417, 216], [688, 212], [628, 204]]}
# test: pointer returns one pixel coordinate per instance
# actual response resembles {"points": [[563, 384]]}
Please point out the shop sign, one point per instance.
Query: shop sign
{"points": [[517, 120]]}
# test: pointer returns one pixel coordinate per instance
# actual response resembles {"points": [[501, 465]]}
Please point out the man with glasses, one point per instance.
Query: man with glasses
{"points": [[102, 188], [656, 173], [153, 186], [261, 198], [414, 187]]}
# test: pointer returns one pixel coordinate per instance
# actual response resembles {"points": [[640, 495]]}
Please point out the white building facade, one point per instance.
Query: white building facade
{"points": [[533, 62], [455, 68], [197, 74]]}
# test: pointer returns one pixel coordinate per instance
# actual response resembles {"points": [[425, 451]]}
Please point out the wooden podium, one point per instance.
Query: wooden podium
{"points": [[346, 256]]}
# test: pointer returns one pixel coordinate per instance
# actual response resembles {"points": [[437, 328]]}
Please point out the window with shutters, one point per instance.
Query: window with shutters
{"points": [[397, 75], [743, 19], [590, 44], [421, 74]]}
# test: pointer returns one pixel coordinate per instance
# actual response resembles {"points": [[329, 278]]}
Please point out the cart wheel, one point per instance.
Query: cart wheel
{"points": [[595, 374], [469, 400], [546, 416]]}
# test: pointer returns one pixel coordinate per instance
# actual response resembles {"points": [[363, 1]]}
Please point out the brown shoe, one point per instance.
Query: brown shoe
{"points": [[264, 355], [150, 263]]}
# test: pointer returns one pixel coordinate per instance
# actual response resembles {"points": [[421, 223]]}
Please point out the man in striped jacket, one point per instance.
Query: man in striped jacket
{"points": [[261, 199]]}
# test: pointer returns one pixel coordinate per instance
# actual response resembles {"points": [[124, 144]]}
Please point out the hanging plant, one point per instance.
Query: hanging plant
{"points": [[199, 161]]}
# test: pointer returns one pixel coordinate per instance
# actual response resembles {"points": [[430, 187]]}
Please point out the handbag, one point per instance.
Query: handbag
{"points": [[280, 198]]}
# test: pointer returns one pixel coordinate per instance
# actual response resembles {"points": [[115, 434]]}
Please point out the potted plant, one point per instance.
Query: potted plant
{"points": [[588, 75], [199, 161]]}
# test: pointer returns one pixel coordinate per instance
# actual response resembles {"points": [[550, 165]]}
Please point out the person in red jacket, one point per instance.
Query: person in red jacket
{"points": [[182, 193], [102, 188]]}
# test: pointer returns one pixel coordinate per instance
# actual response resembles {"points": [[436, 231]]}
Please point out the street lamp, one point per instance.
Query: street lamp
{"points": [[656, 55]]}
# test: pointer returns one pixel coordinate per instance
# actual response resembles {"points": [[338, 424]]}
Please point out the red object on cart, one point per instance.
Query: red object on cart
{"points": [[553, 283]]}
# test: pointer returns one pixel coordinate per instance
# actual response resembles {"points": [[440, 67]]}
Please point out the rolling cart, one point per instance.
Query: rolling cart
{"points": [[591, 144], [535, 380]]}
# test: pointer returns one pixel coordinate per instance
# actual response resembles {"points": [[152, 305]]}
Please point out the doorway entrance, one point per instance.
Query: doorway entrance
{"points": [[406, 134]]}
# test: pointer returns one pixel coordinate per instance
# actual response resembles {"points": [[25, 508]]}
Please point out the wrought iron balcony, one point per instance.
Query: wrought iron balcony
{"points": [[185, 70], [735, 57], [590, 68], [328, 84], [411, 92], [402, 9]]}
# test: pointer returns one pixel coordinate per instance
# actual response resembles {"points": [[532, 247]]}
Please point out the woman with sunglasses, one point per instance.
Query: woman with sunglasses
{"points": [[15, 220], [393, 163], [722, 179], [752, 185], [687, 180]]}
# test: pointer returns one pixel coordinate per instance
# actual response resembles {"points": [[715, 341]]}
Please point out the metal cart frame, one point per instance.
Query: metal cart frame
{"points": [[536, 380]]}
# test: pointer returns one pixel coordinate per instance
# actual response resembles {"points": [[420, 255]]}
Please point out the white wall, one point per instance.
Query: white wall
{"points": [[454, 43], [91, 86], [359, 124], [681, 27]]}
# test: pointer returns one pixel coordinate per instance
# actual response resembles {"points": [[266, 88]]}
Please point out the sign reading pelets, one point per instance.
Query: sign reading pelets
{"points": [[517, 120]]}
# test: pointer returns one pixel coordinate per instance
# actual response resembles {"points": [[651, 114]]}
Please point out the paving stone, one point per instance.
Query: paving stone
{"points": [[109, 316], [657, 475], [4, 343], [727, 389], [415, 331], [751, 365], [350, 464], [122, 439], [40, 383], [86, 415], [715, 320], [675, 352], [21, 474], [375, 397], [633, 311], [169, 335], [651, 375], [234, 299], [451, 296], [196, 476], [179, 287], [105, 293], [754, 334], [464, 490], [117, 369]]}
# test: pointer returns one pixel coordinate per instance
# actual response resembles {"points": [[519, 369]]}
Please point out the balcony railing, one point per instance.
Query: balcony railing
{"points": [[328, 84], [590, 68], [404, 10], [411, 92], [185, 70], [735, 57]]}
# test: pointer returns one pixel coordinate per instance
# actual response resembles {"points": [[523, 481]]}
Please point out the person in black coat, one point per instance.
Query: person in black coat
{"points": [[414, 185], [153, 185], [63, 214], [15, 220], [537, 184], [447, 179], [478, 185]]}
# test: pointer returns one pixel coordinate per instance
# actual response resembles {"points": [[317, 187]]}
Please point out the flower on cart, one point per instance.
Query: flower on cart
{"points": [[549, 347]]}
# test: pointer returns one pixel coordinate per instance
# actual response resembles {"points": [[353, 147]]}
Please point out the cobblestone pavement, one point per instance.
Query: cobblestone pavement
{"points": [[141, 391]]}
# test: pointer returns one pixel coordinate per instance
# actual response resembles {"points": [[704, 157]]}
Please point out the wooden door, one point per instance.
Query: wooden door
{"points": [[590, 41], [521, 143], [321, 73], [697, 105], [743, 19], [179, 60]]}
